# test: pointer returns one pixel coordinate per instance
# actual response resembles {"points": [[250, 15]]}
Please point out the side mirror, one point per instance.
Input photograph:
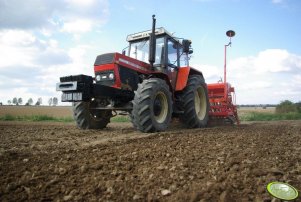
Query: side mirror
{"points": [[186, 46]]}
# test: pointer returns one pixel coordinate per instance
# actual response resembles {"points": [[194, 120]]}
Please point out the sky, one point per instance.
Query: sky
{"points": [[42, 40]]}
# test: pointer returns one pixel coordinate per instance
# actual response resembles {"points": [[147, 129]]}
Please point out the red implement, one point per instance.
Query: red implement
{"points": [[222, 96], [222, 103]]}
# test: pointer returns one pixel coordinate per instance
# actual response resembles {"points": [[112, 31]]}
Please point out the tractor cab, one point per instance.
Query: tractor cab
{"points": [[169, 52]]}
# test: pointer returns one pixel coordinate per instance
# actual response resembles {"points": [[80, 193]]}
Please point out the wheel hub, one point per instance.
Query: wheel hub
{"points": [[157, 106], [200, 103], [160, 107]]}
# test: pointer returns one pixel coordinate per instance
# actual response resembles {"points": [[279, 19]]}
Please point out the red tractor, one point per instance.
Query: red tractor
{"points": [[152, 83]]}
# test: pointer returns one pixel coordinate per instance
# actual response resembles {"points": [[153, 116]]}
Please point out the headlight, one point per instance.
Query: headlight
{"points": [[104, 76], [111, 76], [98, 78]]}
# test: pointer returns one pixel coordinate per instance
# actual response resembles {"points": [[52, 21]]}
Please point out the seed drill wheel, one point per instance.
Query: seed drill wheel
{"points": [[152, 106], [195, 103], [87, 118]]}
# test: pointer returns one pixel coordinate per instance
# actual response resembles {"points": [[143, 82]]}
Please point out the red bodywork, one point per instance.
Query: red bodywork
{"points": [[145, 68], [125, 61], [222, 102], [220, 94]]}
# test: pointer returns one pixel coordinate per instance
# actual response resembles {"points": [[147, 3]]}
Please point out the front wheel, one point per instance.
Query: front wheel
{"points": [[195, 103], [88, 118], [152, 106]]}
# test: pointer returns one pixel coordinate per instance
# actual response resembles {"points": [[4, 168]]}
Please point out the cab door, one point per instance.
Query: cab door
{"points": [[172, 60]]}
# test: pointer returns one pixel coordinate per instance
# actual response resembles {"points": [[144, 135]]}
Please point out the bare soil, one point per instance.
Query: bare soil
{"points": [[58, 162]]}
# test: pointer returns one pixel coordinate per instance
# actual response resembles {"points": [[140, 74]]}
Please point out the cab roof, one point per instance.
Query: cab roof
{"points": [[146, 34]]}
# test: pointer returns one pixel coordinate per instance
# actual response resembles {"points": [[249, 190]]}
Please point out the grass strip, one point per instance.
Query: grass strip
{"points": [[9, 117], [120, 119], [257, 116]]}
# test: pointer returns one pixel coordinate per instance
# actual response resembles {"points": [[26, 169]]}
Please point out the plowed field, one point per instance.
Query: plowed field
{"points": [[58, 162]]}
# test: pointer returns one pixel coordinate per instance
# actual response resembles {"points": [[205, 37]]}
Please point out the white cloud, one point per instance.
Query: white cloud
{"points": [[20, 14], [77, 53], [255, 85], [297, 80], [78, 26], [72, 16], [24, 62], [81, 3], [272, 60], [34, 51], [16, 47], [210, 72], [39, 81], [19, 47], [269, 77], [83, 17], [268, 61], [16, 38]]}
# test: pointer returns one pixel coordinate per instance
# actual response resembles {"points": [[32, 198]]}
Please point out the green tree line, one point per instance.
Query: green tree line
{"points": [[19, 101]]}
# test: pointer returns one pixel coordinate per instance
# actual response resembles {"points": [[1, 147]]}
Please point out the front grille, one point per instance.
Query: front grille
{"points": [[104, 59], [129, 78], [105, 81]]}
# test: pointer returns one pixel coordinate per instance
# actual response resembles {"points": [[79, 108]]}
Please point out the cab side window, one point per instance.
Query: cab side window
{"points": [[172, 53], [183, 58]]}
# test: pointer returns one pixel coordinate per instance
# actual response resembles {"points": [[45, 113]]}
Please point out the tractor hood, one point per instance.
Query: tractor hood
{"points": [[123, 60]]}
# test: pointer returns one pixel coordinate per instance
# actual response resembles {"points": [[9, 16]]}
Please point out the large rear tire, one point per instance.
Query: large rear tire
{"points": [[195, 103], [86, 118], [152, 106]]}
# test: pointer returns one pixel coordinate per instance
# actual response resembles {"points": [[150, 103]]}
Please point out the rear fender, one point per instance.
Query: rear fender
{"points": [[182, 78], [183, 75]]}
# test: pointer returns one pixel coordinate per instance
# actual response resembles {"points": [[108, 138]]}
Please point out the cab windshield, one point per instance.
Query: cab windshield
{"points": [[140, 50]]}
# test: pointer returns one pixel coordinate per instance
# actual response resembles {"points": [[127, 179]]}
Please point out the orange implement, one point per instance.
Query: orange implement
{"points": [[222, 102]]}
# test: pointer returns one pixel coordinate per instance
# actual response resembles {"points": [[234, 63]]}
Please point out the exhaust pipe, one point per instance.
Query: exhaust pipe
{"points": [[152, 44]]}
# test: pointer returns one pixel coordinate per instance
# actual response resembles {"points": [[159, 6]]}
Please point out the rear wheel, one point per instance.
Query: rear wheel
{"points": [[195, 103], [87, 118], [152, 106]]}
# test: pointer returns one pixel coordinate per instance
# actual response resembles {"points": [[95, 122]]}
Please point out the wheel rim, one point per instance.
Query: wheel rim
{"points": [[200, 103], [160, 107]]}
